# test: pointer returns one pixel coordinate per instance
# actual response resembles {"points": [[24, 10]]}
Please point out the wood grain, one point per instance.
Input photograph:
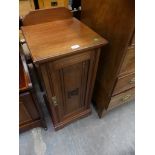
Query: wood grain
{"points": [[124, 83], [115, 21], [71, 80], [122, 98], [55, 39], [66, 53], [30, 113], [46, 15], [27, 102]]}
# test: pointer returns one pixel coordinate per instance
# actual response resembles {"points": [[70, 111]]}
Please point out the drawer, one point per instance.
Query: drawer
{"points": [[124, 83], [132, 41], [122, 98], [128, 65], [54, 3]]}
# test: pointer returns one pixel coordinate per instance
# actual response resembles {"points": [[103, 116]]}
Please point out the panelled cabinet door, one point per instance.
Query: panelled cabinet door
{"points": [[24, 115], [27, 109], [66, 81]]}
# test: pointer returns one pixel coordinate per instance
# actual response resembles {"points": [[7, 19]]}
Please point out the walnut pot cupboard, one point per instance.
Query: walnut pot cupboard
{"points": [[66, 54]]}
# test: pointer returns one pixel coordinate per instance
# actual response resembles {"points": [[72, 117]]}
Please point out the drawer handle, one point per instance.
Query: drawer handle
{"points": [[132, 81], [54, 101], [124, 99]]}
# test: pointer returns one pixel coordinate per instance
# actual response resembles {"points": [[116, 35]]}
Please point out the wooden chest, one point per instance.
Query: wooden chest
{"points": [[66, 54], [115, 21]]}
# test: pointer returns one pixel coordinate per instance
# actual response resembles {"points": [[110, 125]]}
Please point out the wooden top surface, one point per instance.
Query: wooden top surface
{"points": [[54, 39]]}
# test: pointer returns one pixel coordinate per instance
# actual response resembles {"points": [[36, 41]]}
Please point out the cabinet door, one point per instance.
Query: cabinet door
{"points": [[27, 109], [67, 81]]}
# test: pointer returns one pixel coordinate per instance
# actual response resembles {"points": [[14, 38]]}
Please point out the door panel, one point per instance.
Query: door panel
{"points": [[27, 109], [24, 116], [72, 78], [69, 83]]}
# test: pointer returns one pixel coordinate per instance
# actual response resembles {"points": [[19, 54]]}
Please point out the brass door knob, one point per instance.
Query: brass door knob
{"points": [[54, 101]]}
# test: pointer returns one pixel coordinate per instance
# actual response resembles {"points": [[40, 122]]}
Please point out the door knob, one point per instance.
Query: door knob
{"points": [[54, 101]]}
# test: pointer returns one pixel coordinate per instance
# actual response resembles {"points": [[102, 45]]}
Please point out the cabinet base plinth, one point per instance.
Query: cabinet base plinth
{"points": [[61, 125]]}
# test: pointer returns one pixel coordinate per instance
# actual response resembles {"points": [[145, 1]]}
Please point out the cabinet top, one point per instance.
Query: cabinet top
{"points": [[55, 39]]}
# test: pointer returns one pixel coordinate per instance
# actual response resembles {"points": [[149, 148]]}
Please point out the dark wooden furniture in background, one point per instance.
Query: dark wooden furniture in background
{"points": [[115, 78], [66, 54], [30, 114]]}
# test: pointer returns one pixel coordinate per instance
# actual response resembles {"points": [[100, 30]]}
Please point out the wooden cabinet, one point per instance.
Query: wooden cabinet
{"points": [[69, 82], [67, 62], [115, 21], [52, 3], [30, 113], [46, 15], [124, 83]]}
